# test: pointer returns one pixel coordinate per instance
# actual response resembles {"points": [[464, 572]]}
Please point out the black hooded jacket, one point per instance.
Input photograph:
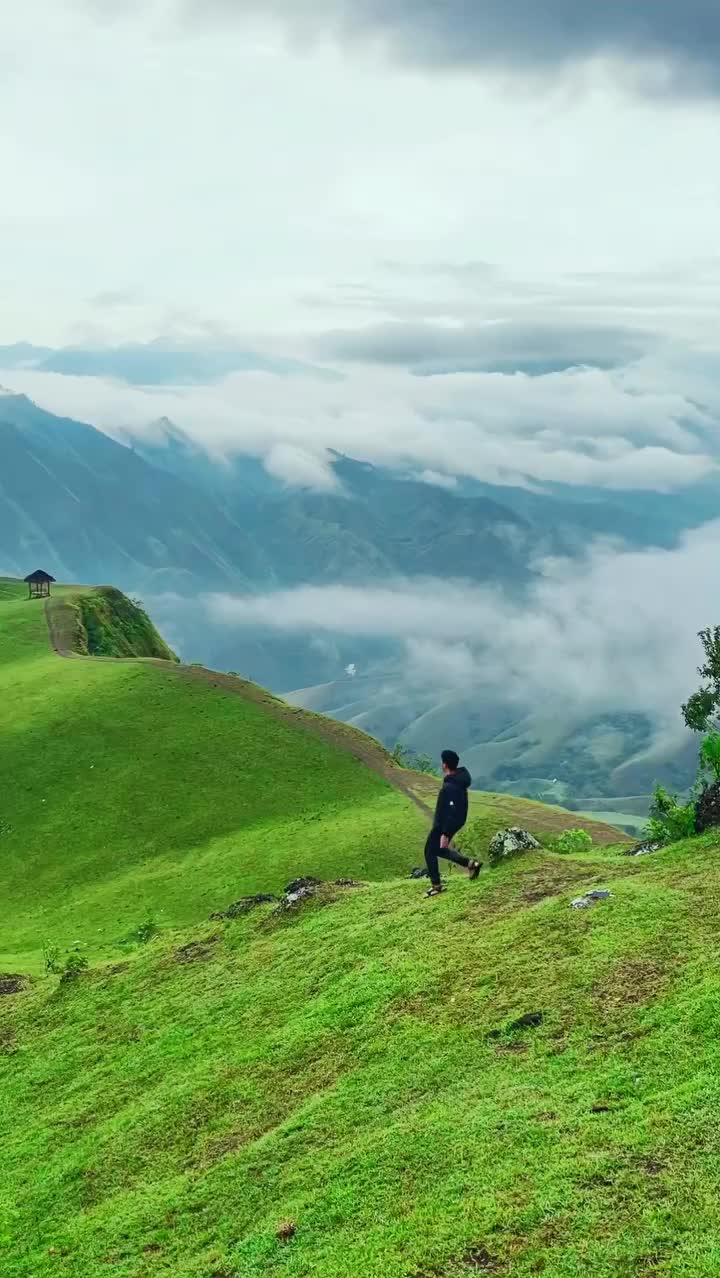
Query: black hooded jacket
{"points": [[452, 804]]}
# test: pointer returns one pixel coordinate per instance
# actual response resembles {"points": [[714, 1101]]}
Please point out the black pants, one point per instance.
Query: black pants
{"points": [[433, 851]]}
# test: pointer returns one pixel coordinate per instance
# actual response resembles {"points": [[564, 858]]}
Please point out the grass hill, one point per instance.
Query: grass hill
{"points": [[137, 788], [131, 789], [344, 1090]]}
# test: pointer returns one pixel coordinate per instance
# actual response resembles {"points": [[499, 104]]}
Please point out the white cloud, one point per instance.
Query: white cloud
{"points": [[437, 480], [610, 429], [298, 467], [616, 632], [238, 176]]}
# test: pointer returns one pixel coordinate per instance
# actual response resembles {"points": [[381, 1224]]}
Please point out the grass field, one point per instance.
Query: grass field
{"points": [[353, 1073], [339, 1092]]}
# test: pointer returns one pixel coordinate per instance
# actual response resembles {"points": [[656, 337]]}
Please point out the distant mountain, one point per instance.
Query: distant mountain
{"points": [[162, 362], [534, 751], [160, 517], [88, 509], [162, 509], [165, 445]]}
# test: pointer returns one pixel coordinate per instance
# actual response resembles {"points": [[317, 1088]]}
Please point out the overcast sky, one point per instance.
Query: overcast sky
{"points": [[220, 168], [388, 188]]}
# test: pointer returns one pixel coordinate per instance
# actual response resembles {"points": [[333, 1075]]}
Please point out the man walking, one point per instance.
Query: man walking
{"points": [[450, 816]]}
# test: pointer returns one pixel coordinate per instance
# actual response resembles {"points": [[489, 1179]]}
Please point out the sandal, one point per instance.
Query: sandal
{"points": [[474, 868], [435, 890]]}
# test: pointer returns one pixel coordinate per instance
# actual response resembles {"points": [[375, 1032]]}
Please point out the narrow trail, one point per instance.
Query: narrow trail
{"points": [[62, 633]]}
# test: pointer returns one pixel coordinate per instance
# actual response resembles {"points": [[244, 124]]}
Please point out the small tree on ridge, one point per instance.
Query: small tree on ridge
{"points": [[701, 710]]}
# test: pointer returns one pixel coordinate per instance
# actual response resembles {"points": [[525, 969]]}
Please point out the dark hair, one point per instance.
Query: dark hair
{"points": [[450, 759]]}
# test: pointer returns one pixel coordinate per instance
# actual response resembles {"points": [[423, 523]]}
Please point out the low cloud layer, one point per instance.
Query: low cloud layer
{"points": [[648, 426], [679, 40], [615, 633]]}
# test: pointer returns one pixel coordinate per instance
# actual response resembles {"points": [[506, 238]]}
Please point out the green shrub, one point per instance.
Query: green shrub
{"points": [[574, 841], [710, 756], [51, 959], [144, 932], [75, 965], [669, 820], [405, 757]]}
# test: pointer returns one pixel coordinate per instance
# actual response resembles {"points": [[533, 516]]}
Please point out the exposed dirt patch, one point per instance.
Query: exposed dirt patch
{"points": [[196, 951], [630, 984], [8, 1041], [286, 1231], [244, 905], [11, 983], [479, 1260], [63, 628], [649, 1266], [550, 880], [652, 1167]]}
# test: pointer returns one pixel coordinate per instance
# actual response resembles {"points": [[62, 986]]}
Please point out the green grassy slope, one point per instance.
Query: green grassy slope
{"points": [[131, 788], [352, 1070], [127, 787], [111, 625]]}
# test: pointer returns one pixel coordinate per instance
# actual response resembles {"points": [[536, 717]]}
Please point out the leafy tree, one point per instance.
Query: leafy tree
{"points": [[407, 758], [669, 820], [701, 710], [710, 756]]}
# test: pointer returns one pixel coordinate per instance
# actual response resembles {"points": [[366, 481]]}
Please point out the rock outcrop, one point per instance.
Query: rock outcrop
{"points": [[509, 843], [590, 898]]}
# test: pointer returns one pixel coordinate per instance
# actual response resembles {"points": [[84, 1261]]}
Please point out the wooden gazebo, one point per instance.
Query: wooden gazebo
{"points": [[39, 584]]}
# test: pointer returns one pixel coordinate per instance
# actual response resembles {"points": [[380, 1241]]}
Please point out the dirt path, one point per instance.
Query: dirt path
{"points": [[62, 632], [509, 810]]}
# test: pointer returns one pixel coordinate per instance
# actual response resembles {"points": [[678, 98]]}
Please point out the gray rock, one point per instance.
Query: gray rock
{"points": [[590, 898], [509, 843], [301, 885], [644, 849], [296, 892]]}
